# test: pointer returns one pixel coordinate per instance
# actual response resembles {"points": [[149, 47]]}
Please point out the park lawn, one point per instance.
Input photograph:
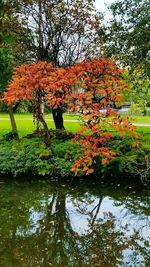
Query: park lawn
{"points": [[71, 116], [144, 133], [142, 119], [28, 116], [25, 124]]}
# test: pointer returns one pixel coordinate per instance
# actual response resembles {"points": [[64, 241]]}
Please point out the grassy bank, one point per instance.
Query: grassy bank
{"points": [[31, 155]]}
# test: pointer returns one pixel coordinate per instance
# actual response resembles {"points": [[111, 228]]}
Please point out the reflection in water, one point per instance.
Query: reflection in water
{"points": [[46, 224]]}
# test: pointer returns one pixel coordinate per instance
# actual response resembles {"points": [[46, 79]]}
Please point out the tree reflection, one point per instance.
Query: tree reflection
{"points": [[38, 227]]}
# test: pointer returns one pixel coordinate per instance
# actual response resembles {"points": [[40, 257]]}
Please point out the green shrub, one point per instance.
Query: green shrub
{"points": [[132, 158], [61, 134], [21, 157], [9, 136], [68, 150], [32, 156]]}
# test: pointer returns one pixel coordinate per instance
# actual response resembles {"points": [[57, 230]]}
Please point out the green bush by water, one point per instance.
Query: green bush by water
{"points": [[31, 156]]}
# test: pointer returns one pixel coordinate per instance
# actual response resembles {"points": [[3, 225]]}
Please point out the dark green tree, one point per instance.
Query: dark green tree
{"points": [[127, 37], [7, 61]]}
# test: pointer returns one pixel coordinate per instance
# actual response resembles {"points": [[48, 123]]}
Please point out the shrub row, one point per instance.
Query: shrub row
{"points": [[31, 156]]}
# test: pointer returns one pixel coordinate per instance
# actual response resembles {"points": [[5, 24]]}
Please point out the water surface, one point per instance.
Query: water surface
{"points": [[47, 223]]}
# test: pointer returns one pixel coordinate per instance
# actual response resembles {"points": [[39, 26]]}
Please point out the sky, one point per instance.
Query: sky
{"points": [[101, 6]]}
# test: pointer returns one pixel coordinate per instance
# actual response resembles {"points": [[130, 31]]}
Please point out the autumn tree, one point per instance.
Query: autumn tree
{"points": [[41, 83], [101, 86], [90, 88], [27, 84]]}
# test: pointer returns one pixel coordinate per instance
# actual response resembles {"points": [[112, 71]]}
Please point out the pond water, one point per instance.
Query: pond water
{"points": [[50, 223]]}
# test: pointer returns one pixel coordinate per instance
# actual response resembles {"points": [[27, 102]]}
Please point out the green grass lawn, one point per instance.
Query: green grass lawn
{"points": [[25, 123], [142, 119]]}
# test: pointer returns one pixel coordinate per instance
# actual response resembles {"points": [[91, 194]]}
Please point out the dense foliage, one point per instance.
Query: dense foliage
{"points": [[139, 92], [91, 88], [31, 156], [126, 36]]}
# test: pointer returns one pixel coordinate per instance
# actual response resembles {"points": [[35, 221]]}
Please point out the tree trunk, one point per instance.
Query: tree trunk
{"points": [[13, 122], [46, 133], [58, 118], [145, 108], [38, 116]]}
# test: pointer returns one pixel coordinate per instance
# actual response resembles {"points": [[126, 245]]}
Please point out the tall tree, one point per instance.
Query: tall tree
{"points": [[127, 37], [7, 61], [139, 93], [58, 31]]}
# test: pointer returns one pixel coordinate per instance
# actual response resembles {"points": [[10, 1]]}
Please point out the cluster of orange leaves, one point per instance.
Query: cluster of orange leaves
{"points": [[27, 80], [90, 88]]}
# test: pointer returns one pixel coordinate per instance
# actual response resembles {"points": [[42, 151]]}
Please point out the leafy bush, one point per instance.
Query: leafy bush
{"points": [[132, 158], [9, 136], [20, 157], [61, 134], [64, 155], [137, 163], [68, 150], [135, 109], [32, 156]]}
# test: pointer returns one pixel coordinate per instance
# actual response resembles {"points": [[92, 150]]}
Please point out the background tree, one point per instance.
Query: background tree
{"points": [[126, 36], [60, 32], [139, 92], [7, 61]]}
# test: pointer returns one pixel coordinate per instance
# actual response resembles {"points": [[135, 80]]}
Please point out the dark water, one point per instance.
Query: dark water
{"points": [[46, 224]]}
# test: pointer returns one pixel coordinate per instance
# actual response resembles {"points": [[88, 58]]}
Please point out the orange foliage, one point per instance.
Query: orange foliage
{"points": [[26, 81], [55, 84], [101, 87], [90, 88]]}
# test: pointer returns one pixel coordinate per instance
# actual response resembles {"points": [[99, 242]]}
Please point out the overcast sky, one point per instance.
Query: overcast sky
{"points": [[101, 6]]}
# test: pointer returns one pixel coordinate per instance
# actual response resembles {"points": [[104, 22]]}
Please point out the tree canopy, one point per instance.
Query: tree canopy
{"points": [[126, 36], [60, 32]]}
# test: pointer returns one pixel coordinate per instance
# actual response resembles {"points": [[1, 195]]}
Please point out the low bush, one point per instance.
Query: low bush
{"points": [[60, 134], [31, 156], [9, 136], [132, 158]]}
